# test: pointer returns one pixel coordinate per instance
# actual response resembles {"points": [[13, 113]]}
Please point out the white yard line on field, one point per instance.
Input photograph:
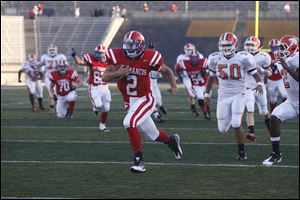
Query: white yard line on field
{"points": [[126, 142], [163, 128], [148, 163]]}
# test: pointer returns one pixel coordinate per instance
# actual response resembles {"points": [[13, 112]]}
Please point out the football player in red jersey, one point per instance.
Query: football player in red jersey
{"points": [[63, 79], [135, 62], [99, 92], [196, 69]]}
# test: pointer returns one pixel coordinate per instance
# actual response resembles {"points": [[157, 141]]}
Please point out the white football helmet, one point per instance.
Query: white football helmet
{"points": [[31, 58], [52, 50], [228, 43], [252, 44], [189, 48], [100, 51]]}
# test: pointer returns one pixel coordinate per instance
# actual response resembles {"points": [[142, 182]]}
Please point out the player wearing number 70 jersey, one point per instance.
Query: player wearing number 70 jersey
{"points": [[134, 84], [50, 61], [99, 92], [62, 79], [230, 67]]}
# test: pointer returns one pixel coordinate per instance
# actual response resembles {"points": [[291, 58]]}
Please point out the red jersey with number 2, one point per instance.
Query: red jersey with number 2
{"points": [[137, 83], [97, 69]]}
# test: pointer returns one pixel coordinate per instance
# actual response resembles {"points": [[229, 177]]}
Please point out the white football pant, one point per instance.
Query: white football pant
{"points": [[286, 110], [62, 103], [261, 100], [156, 92], [35, 87], [274, 89], [230, 111], [100, 97]]}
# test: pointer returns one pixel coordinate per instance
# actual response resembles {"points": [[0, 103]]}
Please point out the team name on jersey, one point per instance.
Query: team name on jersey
{"points": [[137, 71]]}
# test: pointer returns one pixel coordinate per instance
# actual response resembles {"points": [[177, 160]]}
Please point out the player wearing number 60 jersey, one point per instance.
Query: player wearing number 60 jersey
{"points": [[134, 84], [99, 92], [231, 67]]}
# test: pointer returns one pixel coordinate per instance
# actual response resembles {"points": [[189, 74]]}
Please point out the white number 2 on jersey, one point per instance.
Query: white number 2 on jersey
{"points": [[131, 87]]}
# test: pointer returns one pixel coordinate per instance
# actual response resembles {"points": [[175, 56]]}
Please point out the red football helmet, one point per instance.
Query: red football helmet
{"points": [[252, 44], [278, 49], [291, 42], [52, 50], [133, 44], [100, 51], [62, 68], [188, 48], [31, 58], [228, 43]]}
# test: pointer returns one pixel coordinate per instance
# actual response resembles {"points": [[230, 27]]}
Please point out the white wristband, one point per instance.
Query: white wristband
{"points": [[259, 83], [206, 95]]}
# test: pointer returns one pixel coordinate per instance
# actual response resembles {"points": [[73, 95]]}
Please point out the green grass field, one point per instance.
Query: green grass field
{"points": [[44, 157]]}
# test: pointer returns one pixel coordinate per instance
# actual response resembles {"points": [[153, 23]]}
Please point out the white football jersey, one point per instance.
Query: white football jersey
{"points": [[291, 85], [262, 60], [51, 63], [231, 72], [27, 69]]}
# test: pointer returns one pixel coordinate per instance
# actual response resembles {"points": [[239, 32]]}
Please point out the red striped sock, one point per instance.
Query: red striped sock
{"points": [[163, 137], [135, 139]]}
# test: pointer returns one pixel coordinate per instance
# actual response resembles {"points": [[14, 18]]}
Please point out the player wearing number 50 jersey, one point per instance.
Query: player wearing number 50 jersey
{"points": [[231, 67], [99, 92], [62, 79], [50, 61], [135, 62]]}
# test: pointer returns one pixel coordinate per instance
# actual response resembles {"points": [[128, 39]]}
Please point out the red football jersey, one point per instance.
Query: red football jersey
{"points": [[137, 83], [63, 83], [96, 71], [196, 73], [275, 72]]}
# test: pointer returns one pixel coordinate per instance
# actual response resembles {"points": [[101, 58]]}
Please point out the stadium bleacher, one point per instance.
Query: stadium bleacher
{"points": [[82, 33]]}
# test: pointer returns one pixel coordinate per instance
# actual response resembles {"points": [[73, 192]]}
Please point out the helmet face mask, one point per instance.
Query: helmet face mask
{"points": [[228, 44], [133, 44], [189, 48], [62, 69], [252, 45], [52, 50], [32, 60], [291, 43], [281, 51], [226, 48], [100, 51], [194, 58]]}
